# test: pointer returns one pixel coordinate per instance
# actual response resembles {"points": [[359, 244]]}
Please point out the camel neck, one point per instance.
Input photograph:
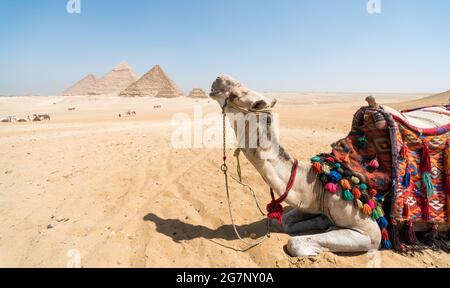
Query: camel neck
{"points": [[275, 165], [269, 157]]}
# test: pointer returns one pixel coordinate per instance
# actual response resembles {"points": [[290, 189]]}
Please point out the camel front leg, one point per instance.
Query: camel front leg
{"points": [[341, 240]]}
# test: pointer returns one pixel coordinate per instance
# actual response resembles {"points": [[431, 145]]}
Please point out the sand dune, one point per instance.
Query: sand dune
{"points": [[117, 191], [442, 98]]}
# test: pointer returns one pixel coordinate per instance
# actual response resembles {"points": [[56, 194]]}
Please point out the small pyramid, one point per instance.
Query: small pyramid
{"points": [[81, 87], [154, 83], [197, 93], [115, 81]]}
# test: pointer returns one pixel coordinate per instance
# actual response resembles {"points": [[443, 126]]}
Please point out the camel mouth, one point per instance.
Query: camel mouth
{"points": [[215, 92]]}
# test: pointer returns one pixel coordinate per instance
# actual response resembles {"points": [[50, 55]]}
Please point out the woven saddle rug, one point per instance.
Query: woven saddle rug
{"points": [[399, 161]]}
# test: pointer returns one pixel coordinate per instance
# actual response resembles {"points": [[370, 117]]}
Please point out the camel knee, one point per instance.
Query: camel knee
{"points": [[374, 234]]}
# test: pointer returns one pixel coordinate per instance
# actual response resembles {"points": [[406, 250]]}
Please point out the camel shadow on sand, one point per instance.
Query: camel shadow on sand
{"points": [[181, 231]]}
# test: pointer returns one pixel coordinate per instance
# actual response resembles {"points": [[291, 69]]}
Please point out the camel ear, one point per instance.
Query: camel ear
{"points": [[274, 102]]}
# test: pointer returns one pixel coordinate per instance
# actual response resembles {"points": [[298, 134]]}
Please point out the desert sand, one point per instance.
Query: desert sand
{"points": [[117, 191]]}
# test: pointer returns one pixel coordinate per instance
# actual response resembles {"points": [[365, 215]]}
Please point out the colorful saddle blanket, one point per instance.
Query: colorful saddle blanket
{"points": [[401, 157]]}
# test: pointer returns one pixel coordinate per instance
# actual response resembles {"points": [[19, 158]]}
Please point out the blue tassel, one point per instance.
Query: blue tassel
{"points": [[335, 176], [406, 179], [382, 222], [380, 198], [426, 177], [386, 244]]}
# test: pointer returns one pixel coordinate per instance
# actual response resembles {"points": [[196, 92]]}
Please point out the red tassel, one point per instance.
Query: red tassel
{"points": [[447, 169], [425, 162], [275, 211], [330, 159], [411, 234], [405, 211], [425, 210], [447, 177], [384, 234], [404, 152], [447, 185]]}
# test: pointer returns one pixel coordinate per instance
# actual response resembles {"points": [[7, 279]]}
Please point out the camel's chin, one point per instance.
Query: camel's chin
{"points": [[215, 95]]}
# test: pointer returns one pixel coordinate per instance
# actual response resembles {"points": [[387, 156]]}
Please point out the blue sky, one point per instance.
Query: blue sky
{"points": [[307, 45]]}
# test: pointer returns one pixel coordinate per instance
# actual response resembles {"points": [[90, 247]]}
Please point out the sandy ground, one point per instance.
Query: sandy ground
{"points": [[116, 190]]}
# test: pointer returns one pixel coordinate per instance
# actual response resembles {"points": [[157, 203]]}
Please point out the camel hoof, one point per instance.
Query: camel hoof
{"points": [[296, 247]]}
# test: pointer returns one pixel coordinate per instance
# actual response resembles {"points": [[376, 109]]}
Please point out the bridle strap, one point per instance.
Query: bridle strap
{"points": [[248, 111], [288, 186], [274, 208]]}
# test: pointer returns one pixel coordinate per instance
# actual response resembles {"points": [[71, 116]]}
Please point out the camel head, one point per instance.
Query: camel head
{"points": [[226, 88]]}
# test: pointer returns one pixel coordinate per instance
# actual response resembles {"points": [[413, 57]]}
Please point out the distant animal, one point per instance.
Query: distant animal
{"points": [[36, 118], [157, 107], [44, 117], [71, 109], [6, 119], [21, 120]]}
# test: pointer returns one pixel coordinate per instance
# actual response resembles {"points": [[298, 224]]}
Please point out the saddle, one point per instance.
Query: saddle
{"points": [[399, 161]]}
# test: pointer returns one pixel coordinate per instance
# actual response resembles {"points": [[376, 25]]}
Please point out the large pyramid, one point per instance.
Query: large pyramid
{"points": [[81, 87], [115, 81], [197, 93], [154, 83]]}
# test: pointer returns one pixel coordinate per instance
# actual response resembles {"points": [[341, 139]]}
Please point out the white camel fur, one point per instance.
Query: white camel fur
{"points": [[346, 228]]}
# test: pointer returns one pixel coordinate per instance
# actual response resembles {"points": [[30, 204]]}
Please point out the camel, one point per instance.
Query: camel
{"points": [[6, 119], [36, 118], [344, 227], [44, 116]]}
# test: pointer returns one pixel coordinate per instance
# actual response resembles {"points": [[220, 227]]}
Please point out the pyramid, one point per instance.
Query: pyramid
{"points": [[154, 83], [197, 93], [115, 81], [81, 87]]}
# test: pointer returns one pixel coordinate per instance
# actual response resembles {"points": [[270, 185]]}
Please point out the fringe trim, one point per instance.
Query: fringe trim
{"points": [[434, 240]]}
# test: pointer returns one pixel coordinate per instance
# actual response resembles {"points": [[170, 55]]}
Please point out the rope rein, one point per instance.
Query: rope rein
{"points": [[224, 169]]}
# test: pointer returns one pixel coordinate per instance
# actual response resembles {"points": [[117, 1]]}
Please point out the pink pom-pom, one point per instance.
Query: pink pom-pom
{"points": [[374, 164], [371, 204], [331, 187]]}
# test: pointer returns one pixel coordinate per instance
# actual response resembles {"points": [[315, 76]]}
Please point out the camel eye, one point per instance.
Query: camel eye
{"points": [[232, 96]]}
